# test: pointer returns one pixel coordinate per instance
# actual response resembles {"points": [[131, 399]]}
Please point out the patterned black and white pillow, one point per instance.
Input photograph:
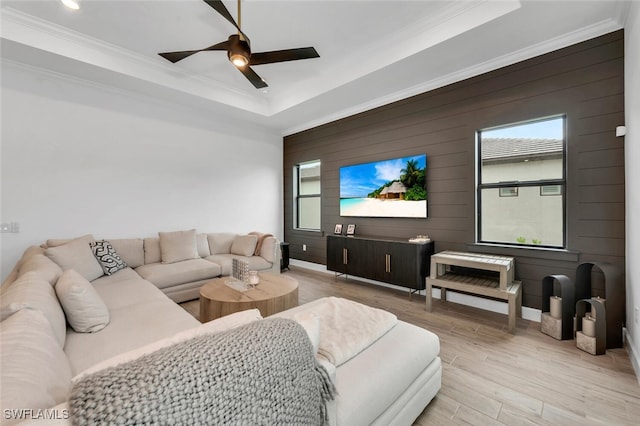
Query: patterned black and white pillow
{"points": [[110, 261]]}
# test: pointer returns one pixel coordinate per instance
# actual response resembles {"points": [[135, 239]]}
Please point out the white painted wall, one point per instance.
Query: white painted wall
{"points": [[632, 171], [78, 158]]}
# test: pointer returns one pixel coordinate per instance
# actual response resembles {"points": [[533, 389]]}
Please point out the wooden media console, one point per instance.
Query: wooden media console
{"points": [[481, 274]]}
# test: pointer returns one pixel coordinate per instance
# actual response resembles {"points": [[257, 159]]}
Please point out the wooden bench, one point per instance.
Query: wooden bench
{"points": [[503, 287]]}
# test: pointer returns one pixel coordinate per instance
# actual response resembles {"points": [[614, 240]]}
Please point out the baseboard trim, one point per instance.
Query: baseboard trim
{"points": [[633, 356], [530, 314]]}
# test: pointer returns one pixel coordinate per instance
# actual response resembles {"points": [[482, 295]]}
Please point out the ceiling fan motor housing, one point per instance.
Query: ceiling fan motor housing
{"points": [[239, 50]]}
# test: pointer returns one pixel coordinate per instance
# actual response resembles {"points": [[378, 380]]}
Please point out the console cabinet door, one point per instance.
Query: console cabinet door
{"points": [[335, 254]]}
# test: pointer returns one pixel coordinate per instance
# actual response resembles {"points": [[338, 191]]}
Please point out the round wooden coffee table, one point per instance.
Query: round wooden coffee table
{"points": [[275, 293]]}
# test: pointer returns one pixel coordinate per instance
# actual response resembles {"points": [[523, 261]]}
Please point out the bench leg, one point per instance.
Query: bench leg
{"points": [[515, 308], [428, 294], [512, 313]]}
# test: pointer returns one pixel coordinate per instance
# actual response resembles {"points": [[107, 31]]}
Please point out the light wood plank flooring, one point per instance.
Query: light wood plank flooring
{"points": [[491, 377]]}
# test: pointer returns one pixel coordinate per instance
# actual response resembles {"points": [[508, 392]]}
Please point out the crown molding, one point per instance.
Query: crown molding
{"points": [[603, 27]]}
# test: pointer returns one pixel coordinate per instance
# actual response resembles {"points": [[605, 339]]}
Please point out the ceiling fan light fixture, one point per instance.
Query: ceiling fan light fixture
{"points": [[239, 60], [239, 51]]}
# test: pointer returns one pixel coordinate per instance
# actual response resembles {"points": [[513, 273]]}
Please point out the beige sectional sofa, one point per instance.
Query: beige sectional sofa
{"points": [[178, 263], [387, 378]]}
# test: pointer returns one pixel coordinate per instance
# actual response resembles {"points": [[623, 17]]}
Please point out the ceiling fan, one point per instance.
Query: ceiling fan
{"points": [[238, 47]]}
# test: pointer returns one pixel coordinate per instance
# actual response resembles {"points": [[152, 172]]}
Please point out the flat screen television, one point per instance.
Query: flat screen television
{"points": [[388, 188]]}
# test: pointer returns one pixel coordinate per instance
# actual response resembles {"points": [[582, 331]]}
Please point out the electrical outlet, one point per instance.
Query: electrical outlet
{"points": [[5, 227], [304, 247], [637, 315]]}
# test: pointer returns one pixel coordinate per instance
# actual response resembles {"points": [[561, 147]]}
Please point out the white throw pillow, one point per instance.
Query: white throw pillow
{"points": [[177, 246], [244, 245], [76, 254], [85, 310], [31, 291], [109, 259], [35, 371]]}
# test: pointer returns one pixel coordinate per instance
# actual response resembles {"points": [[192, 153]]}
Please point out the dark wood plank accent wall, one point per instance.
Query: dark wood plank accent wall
{"points": [[584, 81]]}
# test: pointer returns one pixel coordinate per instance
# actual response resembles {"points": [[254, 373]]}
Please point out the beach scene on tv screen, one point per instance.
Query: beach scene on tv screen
{"points": [[389, 188]]}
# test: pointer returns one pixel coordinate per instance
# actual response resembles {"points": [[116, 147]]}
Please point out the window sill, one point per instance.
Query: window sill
{"points": [[531, 252], [314, 231]]}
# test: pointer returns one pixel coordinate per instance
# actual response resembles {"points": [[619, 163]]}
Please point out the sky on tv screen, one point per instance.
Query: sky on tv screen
{"points": [[359, 180]]}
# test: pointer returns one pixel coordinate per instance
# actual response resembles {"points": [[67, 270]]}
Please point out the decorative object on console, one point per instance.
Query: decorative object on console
{"points": [[107, 257], [351, 229], [338, 229], [389, 188], [420, 239]]}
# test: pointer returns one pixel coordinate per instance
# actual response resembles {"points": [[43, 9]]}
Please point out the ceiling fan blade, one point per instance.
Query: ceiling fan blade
{"points": [[283, 55], [254, 78], [219, 7], [178, 56]]}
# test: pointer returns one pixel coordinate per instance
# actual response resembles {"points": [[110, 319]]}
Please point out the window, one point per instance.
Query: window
{"points": [[308, 195], [509, 191], [521, 184]]}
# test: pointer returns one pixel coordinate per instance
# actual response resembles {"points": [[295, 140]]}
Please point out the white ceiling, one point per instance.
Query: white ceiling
{"points": [[371, 52]]}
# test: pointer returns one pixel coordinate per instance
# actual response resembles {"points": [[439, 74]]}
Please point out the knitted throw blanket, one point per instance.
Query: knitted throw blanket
{"points": [[263, 373]]}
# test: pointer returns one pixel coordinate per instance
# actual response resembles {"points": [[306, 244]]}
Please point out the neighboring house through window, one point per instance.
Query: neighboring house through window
{"points": [[308, 195], [521, 181]]}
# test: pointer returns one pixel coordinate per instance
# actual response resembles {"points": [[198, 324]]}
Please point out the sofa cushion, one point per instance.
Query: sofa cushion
{"points": [[43, 266], [32, 292], [220, 243], [217, 325], [138, 290], [169, 274], [130, 327], [178, 246], [203, 245], [83, 307], [35, 371], [152, 250], [109, 259], [76, 254], [244, 245], [131, 250], [256, 263]]}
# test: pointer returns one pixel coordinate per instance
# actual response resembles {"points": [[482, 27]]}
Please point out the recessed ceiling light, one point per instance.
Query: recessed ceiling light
{"points": [[71, 4]]}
